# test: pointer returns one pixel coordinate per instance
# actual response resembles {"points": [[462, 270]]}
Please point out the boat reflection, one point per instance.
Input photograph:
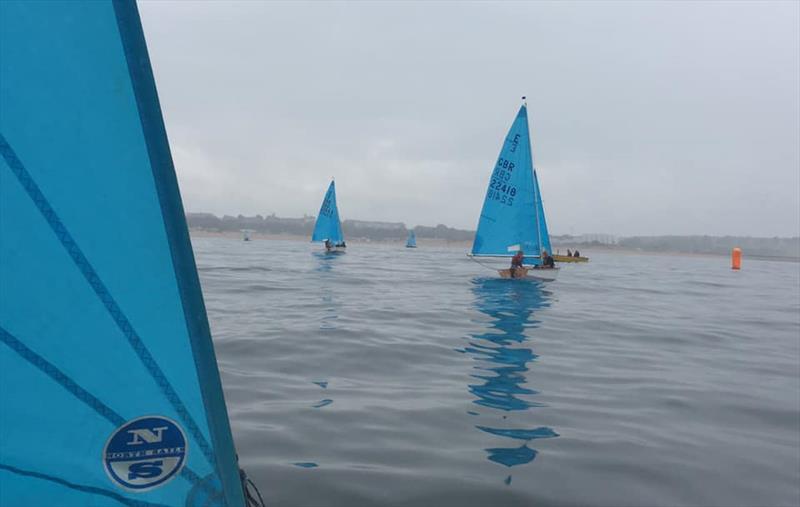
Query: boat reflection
{"points": [[503, 357], [325, 261], [330, 307]]}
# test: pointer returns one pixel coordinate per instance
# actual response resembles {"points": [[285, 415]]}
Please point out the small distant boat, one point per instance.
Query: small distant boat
{"points": [[411, 242], [328, 228], [245, 235], [569, 258], [512, 218]]}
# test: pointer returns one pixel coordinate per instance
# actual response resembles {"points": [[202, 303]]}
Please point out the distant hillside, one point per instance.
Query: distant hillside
{"points": [[397, 231]]}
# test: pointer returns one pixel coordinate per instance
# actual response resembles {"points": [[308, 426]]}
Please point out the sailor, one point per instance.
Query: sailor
{"points": [[569, 253], [516, 262], [328, 245], [547, 260], [577, 254]]}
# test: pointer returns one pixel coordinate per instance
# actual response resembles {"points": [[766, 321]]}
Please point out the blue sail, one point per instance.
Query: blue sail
{"points": [[544, 235], [328, 226], [508, 218], [411, 242], [109, 386]]}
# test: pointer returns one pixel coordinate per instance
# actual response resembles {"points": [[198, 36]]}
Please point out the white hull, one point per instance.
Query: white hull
{"points": [[335, 249], [500, 263]]}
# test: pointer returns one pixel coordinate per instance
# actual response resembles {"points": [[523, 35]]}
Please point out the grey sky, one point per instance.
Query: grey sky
{"points": [[646, 118]]}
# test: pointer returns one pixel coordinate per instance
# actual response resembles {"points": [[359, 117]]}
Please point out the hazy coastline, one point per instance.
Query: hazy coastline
{"points": [[559, 247]]}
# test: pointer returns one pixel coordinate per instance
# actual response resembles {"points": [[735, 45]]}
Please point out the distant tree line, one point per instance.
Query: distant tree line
{"points": [[355, 229]]}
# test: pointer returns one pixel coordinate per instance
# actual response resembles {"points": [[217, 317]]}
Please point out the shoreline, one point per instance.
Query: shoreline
{"points": [[432, 242]]}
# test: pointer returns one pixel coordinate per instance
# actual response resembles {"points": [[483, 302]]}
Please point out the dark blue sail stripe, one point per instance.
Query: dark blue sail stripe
{"points": [[60, 377], [187, 280], [80, 487], [86, 269]]}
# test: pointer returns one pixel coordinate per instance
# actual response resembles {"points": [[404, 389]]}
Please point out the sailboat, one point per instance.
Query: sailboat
{"points": [[512, 218], [411, 242], [245, 234], [328, 228], [109, 386]]}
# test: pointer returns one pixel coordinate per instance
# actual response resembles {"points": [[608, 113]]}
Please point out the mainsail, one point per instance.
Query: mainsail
{"points": [[411, 242], [328, 226], [109, 386], [508, 220]]}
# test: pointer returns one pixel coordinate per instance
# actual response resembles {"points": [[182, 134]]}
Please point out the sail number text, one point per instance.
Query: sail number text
{"points": [[327, 209], [499, 187]]}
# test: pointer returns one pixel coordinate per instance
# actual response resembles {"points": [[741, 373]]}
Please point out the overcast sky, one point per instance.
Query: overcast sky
{"points": [[646, 117]]}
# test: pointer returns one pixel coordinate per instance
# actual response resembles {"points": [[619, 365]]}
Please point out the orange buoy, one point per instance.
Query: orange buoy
{"points": [[736, 258]]}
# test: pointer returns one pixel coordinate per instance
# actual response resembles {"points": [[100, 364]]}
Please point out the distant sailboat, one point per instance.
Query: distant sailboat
{"points": [[245, 234], [109, 387], [570, 258], [411, 242], [328, 227], [512, 218]]}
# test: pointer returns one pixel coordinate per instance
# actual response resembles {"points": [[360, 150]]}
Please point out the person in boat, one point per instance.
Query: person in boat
{"points": [[328, 245], [342, 244], [547, 260], [576, 254], [516, 262], [569, 253]]}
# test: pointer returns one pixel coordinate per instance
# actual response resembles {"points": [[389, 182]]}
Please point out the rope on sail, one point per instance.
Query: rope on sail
{"points": [[248, 487], [472, 257]]}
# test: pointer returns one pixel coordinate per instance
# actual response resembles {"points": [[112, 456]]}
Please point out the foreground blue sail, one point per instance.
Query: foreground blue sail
{"points": [[411, 242], [508, 218], [109, 386], [328, 226]]}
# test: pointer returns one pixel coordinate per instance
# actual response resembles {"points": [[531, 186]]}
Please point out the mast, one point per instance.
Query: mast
{"points": [[535, 189]]}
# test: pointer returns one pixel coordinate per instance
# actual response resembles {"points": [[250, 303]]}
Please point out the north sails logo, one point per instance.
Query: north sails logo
{"points": [[145, 435], [145, 453]]}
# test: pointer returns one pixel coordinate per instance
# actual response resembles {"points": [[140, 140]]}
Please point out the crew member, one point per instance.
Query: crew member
{"points": [[547, 260], [516, 262]]}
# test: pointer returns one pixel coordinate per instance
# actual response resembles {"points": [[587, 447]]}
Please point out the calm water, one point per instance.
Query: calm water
{"points": [[388, 376]]}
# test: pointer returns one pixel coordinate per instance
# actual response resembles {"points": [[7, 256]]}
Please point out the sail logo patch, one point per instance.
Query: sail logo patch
{"points": [[145, 453]]}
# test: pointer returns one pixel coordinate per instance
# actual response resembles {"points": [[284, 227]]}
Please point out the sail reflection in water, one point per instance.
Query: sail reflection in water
{"points": [[325, 264], [503, 360]]}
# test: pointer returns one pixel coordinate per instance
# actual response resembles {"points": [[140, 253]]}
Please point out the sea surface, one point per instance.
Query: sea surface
{"points": [[389, 376]]}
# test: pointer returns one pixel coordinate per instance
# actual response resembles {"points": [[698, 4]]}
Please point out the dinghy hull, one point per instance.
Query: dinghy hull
{"points": [[502, 265], [543, 274]]}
